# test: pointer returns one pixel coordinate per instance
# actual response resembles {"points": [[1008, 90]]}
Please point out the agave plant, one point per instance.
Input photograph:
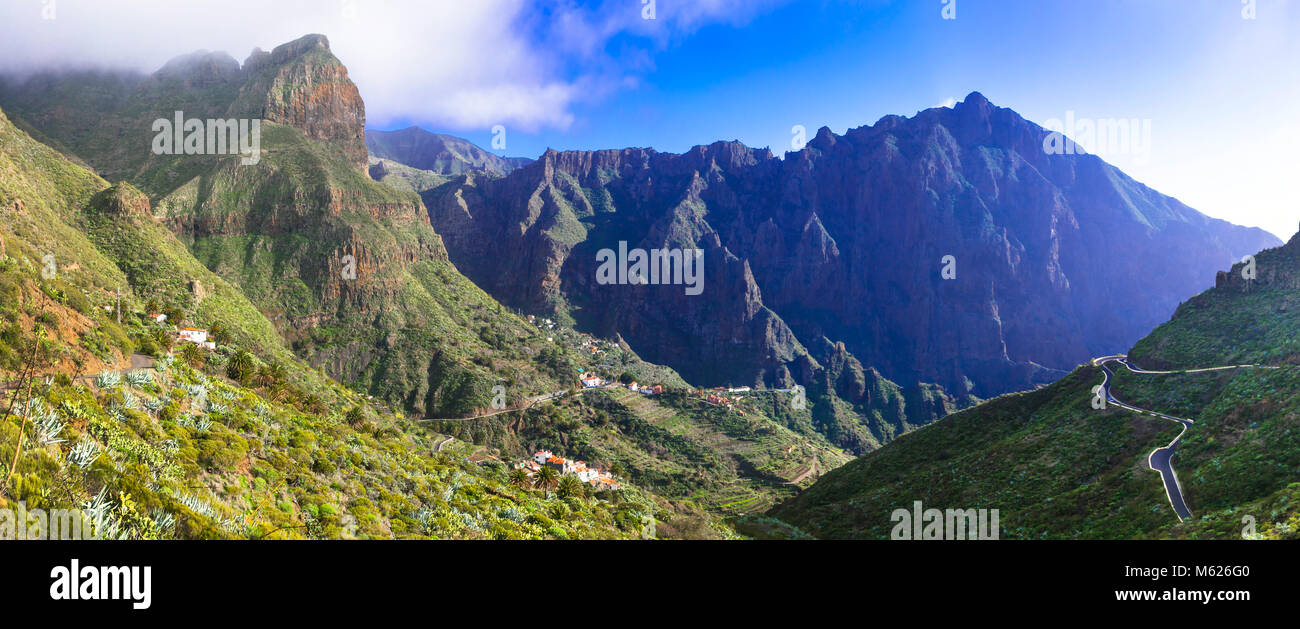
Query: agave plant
{"points": [[117, 414], [163, 520], [425, 517], [99, 508], [139, 378], [48, 426], [33, 408], [154, 404], [162, 364], [202, 424], [196, 505], [84, 453], [218, 408], [129, 401], [108, 380]]}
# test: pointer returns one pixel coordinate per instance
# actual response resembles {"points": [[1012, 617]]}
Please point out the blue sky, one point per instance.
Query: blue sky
{"points": [[1217, 89]]}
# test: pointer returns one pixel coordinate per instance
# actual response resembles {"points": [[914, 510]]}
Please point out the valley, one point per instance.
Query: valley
{"points": [[781, 346]]}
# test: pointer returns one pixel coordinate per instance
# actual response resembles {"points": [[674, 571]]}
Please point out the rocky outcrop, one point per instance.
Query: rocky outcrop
{"points": [[303, 85], [123, 201]]}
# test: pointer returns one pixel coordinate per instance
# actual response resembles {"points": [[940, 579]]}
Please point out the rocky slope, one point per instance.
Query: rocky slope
{"points": [[1057, 468], [348, 270], [845, 242], [348, 273]]}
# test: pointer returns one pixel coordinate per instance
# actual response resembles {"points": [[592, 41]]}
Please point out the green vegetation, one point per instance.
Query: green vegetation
{"points": [[1057, 468], [244, 441]]}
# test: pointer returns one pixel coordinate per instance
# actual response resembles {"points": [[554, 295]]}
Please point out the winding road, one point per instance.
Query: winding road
{"points": [[1160, 458]]}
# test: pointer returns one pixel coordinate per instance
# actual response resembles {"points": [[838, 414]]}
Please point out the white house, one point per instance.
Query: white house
{"points": [[194, 335]]}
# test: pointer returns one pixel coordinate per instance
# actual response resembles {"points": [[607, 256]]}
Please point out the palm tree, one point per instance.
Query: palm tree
{"points": [[546, 478], [570, 487], [355, 416], [192, 355], [264, 378], [240, 366], [270, 375], [519, 478]]}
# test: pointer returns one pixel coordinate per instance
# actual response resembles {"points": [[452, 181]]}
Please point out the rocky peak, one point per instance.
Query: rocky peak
{"points": [[296, 48], [303, 85]]}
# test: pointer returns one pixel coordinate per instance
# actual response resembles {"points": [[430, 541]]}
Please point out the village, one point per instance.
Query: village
{"points": [[598, 479], [729, 398]]}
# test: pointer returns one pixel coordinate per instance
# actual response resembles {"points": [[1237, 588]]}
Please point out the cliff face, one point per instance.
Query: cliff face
{"points": [[302, 85], [846, 241], [348, 270]]}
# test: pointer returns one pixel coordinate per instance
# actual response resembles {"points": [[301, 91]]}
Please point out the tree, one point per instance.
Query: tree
{"points": [[546, 478], [569, 487], [175, 316], [192, 356], [519, 478], [626, 378], [269, 375], [163, 340], [240, 366], [355, 416], [220, 335]]}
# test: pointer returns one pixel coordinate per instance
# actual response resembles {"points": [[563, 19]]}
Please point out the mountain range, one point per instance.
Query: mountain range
{"points": [[898, 273], [439, 153]]}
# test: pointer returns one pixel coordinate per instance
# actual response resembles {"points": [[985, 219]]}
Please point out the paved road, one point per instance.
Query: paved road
{"points": [[1160, 459]]}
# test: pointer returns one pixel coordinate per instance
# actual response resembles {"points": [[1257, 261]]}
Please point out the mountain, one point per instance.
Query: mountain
{"points": [[441, 154], [345, 273], [1057, 468], [347, 269], [837, 253], [186, 447]]}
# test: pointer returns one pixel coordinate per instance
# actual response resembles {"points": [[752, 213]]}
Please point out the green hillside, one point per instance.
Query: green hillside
{"points": [[245, 441], [1057, 468]]}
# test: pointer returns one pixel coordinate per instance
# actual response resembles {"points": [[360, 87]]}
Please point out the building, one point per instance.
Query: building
{"points": [[196, 336], [591, 382], [597, 478]]}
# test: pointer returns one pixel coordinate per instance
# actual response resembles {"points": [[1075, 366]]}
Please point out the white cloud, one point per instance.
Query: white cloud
{"points": [[463, 64]]}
